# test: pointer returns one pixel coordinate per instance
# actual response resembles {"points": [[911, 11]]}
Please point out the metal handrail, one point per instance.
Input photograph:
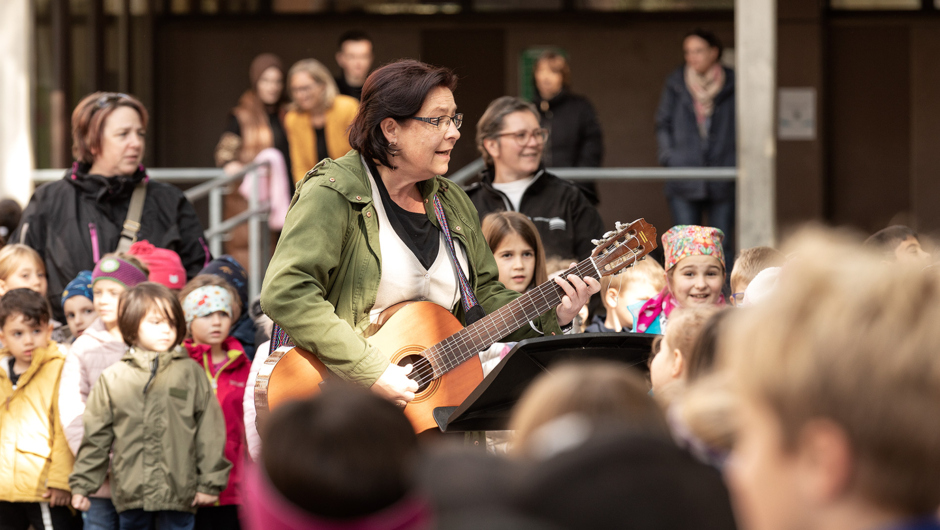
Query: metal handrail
{"points": [[617, 173], [181, 175]]}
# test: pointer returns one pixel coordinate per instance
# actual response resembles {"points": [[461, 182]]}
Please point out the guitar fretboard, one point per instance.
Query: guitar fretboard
{"points": [[471, 340]]}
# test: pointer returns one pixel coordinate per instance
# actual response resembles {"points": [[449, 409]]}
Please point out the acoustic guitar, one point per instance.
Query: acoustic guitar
{"points": [[444, 354]]}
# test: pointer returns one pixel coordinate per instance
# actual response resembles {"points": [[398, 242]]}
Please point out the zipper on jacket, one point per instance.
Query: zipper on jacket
{"points": [[93, 232], [205, 248], [154, 364]]}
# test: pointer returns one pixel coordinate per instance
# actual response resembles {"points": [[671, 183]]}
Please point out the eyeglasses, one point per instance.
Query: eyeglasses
{"points": [[107, 99], [737, 299], [443, 122], [522, 137]]}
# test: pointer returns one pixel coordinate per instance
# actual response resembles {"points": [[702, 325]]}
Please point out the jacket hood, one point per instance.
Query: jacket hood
{"points": [[98, 332], [104, 189], [553, 102], [230, 345], [41, 356]]}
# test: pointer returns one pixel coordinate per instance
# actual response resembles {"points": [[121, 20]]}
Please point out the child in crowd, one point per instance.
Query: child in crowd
{"points": [[100, 346], [22, 267], [589, 392], [518, 250], [695, 274], [210, 306], [748, 264], [77, 304], [898, 243], [340, 460], [244, 329], [155, 410], [166, 267], [633, 285], [35, 461], [673, 353], [838, 383]]}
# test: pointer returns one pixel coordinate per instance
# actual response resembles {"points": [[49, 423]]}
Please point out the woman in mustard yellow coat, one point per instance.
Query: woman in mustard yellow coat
{"points": [[318, 122]]}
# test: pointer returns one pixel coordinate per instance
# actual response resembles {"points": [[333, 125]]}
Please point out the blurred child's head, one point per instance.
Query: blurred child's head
{"points": [[748, 264], [701, 359], [150, 318], [669, 364], [600, 391], [839, 383], [210, 306], [22, 267], [228, 268], [344, 454], [695, 264], [518, 250], [165, 266], [898, 243], [113, 275], [638, 283], [77, 303], [10, 214], [24, 323]]}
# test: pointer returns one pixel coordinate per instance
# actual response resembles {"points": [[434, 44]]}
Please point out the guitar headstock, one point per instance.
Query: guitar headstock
{"points": [[623, 246]]}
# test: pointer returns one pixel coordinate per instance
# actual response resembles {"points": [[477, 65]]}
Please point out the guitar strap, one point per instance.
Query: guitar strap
{"points": [[472, 308]]}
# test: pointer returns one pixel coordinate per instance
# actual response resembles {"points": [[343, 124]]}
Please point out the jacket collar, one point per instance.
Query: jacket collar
{"points": [[141, 358], [352, 179], [98, 332], [104, 189], [41, 356], [198, 352]]}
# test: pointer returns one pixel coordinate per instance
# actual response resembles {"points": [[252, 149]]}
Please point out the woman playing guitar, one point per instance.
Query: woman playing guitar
{"points": [[380, 226]]}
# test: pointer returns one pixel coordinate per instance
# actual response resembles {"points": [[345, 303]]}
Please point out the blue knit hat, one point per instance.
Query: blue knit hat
{"points": [[80, 286], [227, 268]]}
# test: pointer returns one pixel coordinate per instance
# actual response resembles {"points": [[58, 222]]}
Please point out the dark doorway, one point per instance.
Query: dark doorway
{"points": [[478, 57]]}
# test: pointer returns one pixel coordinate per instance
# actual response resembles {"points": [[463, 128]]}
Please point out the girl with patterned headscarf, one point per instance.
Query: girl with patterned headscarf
{"points": [[695, 274]]}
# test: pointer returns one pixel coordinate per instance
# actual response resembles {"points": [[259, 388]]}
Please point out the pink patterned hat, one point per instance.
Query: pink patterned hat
{"points": [[682, 241]]}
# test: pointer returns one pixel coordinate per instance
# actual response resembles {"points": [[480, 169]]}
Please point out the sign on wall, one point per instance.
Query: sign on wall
{"points": [[796, 117]]}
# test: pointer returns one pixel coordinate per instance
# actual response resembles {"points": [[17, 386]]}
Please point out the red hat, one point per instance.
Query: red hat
{"points": [[165, 266]]}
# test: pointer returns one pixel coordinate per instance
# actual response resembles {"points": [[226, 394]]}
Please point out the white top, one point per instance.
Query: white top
{"points": [[403, 277], [514, 190]]}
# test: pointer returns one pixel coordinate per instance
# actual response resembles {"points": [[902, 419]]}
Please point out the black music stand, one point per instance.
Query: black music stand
{"points": [[488, 407]]}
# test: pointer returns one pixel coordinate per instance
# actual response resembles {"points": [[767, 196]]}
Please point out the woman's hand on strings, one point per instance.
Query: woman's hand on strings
{"points": [[577, 293], [395, 385]]}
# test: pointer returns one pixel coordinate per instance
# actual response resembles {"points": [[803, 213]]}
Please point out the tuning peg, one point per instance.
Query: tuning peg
{"points": [[619, 226], [596, 242], [610, 234]]}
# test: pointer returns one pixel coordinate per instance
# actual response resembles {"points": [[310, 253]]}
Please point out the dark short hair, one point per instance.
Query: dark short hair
{"points": [[136, 302], [33, 306], [353, 35], [396, 90], [708, 37], [345, 453], [886, 240], [88, 121]]}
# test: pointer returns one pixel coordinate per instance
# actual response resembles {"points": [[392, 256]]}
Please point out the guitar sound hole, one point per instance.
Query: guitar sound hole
{"points": [[421, 371]]}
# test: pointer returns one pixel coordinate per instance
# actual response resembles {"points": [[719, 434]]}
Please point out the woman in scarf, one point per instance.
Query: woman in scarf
{"points": [[695, 273], [695, 127]]}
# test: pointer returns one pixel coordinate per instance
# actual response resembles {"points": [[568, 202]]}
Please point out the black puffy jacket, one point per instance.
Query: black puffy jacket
{"points": [[575, 138], [564, 217], [74, 221]]}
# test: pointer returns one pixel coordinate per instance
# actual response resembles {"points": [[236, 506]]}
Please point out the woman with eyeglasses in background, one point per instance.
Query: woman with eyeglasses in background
{"points": [[318, 121], [75, 221], [364, 234], [512, 142]]}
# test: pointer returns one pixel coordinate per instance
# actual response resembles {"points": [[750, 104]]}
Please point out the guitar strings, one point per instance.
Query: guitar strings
{"points": [[425, 374]]}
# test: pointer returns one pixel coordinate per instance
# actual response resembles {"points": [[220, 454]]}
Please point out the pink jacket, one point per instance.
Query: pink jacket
{"points": [[88, 356]]}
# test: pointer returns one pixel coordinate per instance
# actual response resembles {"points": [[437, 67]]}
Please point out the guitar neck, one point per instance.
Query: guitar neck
{"points": [[471, 340]]}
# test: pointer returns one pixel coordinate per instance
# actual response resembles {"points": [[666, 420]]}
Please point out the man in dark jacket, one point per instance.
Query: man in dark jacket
{"points": [[511, 141], [75, 221], [575, 134], [695, 127]]}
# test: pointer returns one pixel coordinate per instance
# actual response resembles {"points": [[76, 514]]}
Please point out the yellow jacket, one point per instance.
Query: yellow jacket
{"points": [[34, 454], [303, 139]]}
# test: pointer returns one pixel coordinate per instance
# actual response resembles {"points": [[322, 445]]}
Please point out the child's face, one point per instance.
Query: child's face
{"points": [[763, 477], [156, 332], [697, 280], [107, 293], [22, 337], [662, 367], [79, 314], [634, 292], [211, 329], [910, 251], [516, 262], [27, 275]]}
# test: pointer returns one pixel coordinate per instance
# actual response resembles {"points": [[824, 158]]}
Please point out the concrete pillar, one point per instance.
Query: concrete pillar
{"points": [[755, 23], [16, 146]]}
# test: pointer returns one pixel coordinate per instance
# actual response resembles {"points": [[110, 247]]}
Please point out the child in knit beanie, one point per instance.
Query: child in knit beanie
{"points": [[165, 266]]}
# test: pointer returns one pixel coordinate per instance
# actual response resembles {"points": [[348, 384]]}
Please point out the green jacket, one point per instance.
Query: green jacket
{"points": [[167, 430], [324, 276]]}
